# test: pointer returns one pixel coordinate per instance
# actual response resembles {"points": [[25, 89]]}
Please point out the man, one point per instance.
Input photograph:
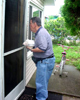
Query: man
{"points": [[43, 52]]}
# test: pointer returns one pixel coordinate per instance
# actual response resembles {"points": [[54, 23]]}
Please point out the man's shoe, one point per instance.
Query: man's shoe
{"points": [[34, 97]]}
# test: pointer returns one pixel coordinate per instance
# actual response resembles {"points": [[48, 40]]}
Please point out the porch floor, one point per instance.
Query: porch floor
{"points": [[68, 86]]}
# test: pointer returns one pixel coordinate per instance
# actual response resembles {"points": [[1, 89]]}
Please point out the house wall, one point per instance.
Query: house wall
{"points": [[30, 69], [30, 66]]}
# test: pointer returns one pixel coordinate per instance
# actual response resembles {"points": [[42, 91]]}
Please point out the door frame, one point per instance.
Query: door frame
{"points": [[17, 91], [1, 57]]}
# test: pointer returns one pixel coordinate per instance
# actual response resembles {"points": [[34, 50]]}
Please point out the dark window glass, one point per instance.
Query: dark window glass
{"points": [[40, 14], [13, 70], [14, 24], [30, 15]]}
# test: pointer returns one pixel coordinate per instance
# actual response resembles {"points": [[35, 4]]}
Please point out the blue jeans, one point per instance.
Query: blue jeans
{"points": [[43, 74]]}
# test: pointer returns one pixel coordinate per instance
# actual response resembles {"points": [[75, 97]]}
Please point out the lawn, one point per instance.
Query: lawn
{"points": [[72, 54]]}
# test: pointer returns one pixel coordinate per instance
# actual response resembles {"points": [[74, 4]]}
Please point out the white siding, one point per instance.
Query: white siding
{"points": [[30, 69], [38, 3]]}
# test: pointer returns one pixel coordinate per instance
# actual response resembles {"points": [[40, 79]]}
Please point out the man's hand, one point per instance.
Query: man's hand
{"points": [[29, 48]]}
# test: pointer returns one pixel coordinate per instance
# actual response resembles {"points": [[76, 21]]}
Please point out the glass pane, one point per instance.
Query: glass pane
{"points": [[13, 70], [35, 12], [14, 24], [30, 15]]}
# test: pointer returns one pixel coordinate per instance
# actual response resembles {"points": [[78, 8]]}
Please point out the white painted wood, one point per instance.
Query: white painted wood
{"points": [[30, 69], [37, 3], [0, 52], [13, 51], [25, 35], [49, 2], [12, 95], [2, 13]]}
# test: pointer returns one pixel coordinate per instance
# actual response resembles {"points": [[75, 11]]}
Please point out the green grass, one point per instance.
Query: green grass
{"points": [[72, 54]]}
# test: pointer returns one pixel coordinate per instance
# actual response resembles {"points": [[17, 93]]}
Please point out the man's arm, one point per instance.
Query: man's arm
{"points": [[35, 49]]}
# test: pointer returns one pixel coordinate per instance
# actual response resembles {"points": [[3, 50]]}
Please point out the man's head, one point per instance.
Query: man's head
{"points": [[35, 23], [36, 20]]}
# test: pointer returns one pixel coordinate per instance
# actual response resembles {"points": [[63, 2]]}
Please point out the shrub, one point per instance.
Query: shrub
{"points": [[62, 41]]}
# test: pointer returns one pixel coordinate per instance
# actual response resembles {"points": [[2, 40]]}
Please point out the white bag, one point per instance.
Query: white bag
{"points": [[29, 43]]}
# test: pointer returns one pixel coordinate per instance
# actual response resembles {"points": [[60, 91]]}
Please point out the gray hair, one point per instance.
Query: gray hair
{"points": [[37, 20]]}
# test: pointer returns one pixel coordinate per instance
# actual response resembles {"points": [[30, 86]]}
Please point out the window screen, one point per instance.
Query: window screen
{"points": [[14, 24], [13, 69]]}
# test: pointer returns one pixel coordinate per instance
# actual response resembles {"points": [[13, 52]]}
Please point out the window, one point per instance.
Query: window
{"points": [[34, 12]]}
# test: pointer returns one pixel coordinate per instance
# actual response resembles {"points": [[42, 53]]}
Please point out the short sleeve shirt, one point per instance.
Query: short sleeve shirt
{"points": [[43, 42]]}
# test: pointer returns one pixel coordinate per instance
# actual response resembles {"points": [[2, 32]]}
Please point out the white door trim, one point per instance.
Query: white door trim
{"points": [[21, 86]]}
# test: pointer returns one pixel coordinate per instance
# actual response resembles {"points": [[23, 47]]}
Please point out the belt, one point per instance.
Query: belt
{"points": [[40, 59], [50, 56]]}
